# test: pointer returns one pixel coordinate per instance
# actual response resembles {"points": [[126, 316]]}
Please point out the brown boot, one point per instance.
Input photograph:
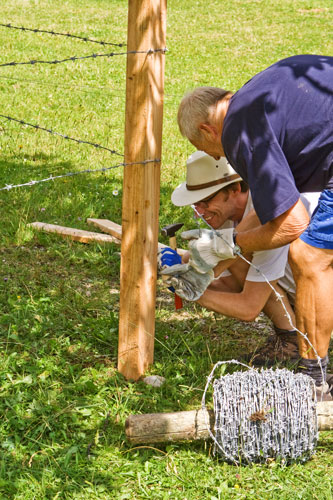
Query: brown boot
{"points": [[280, 347]]}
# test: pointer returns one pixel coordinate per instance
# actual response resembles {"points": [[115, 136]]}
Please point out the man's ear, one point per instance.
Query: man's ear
{"points": [[208, 131]]}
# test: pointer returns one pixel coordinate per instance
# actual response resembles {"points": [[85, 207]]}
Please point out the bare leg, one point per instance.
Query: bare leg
{"points": [[313, 273], [274, 310]]}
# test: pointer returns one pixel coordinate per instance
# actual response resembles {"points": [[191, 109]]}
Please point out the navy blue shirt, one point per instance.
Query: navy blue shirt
{"points": [[278, 132]]}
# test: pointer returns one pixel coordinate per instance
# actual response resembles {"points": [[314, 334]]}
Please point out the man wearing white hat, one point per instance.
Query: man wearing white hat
{"points": [[221, 198]]}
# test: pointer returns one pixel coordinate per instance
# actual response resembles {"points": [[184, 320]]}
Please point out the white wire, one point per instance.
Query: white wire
{"points": [[278, 296]]}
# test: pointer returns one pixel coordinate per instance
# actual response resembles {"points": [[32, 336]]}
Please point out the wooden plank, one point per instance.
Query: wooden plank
{"points": [[75, 234], [141, 184], [194, 424], [107, 226], [115, 230]]}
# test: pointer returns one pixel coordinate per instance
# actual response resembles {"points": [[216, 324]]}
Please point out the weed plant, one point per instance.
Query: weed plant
{"points": [[63, 404]]}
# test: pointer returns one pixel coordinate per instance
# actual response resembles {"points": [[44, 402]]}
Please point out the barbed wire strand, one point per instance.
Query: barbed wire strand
{"points": [[50, 131], [279, 298], [8, 187], [68, 35], [77, 58]]}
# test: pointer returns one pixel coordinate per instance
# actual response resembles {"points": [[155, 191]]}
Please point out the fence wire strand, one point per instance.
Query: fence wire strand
{"points": [[68, 35], [279, 298], [77, 58], [50, 131], [9, 187]]}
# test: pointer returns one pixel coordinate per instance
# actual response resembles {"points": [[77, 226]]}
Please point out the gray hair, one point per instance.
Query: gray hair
{"points": [[195, 108]]}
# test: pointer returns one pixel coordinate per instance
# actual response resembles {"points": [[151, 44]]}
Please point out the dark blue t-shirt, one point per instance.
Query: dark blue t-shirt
{"points": [[278, 132]]}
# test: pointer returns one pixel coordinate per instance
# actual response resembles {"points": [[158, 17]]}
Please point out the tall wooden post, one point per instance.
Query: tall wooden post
{"points": [[141, 185]]}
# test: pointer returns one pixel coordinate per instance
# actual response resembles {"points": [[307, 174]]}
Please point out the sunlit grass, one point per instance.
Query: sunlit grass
{"points": [[63, 404]]}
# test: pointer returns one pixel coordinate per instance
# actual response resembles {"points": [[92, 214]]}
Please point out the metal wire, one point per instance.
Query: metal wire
{"points": [[74, 58], [278, 296], [50, 131], [9, 187], [68, 35], [263, 414]]}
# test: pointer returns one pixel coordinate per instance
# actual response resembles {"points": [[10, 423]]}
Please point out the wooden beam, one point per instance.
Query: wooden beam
{"points": [[107, 226], [74, 234], [115, 230], [141, 185]]}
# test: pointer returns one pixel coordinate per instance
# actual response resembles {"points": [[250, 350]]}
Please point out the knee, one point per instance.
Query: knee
{"points": [[295, 256], [303, 259]]}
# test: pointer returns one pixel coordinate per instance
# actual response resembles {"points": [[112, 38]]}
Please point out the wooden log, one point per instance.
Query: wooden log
{"points": [[75, 234], [115, 230], [193, 425], [163, 427], [141, 184]]}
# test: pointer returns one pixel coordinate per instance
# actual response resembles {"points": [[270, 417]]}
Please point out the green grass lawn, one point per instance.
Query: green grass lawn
{"points": [[62, 403]]}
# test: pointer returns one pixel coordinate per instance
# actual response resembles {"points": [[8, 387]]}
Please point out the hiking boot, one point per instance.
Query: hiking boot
{"points": [[280, 347]]}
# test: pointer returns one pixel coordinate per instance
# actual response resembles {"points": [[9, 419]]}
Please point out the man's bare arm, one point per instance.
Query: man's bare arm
{"points": [[276, 233]]}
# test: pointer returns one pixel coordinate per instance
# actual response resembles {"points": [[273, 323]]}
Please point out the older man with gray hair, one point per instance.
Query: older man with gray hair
{"points": [[277, 133]]}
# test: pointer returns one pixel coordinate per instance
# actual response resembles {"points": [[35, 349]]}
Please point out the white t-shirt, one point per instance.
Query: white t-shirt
{"points": [[273, 264]]}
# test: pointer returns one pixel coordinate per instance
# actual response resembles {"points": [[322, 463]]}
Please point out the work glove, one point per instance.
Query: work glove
{"points": [[168, 257], [187, 281], [207, 248]]}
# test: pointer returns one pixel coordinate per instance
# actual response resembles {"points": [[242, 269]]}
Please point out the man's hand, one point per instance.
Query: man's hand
{"points": [[187, 281], [208, 248]]}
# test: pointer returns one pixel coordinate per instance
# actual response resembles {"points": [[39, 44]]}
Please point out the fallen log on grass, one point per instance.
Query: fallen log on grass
{"points": [[193, 425]]}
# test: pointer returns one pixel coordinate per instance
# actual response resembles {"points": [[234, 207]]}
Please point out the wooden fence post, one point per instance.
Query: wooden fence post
{"points": [[141, 185]]}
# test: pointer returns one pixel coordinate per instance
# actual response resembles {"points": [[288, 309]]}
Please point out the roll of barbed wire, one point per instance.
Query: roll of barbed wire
{"points": [[264, 414]]}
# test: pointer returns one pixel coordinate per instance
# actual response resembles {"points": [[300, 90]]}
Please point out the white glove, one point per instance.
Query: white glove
{"points": [[187, 281], [208, 248]]}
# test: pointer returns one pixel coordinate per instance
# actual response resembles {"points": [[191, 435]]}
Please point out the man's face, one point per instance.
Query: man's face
{"points": [[218, 208]]}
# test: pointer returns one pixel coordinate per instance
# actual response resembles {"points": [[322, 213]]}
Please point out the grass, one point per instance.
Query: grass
{"points": [[63, 404]]}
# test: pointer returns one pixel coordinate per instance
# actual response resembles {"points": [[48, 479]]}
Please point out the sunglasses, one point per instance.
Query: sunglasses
{"points": [[208, 199]]}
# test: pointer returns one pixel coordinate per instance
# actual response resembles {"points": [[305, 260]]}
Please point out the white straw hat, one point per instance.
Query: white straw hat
{"points": [[204, 176]]}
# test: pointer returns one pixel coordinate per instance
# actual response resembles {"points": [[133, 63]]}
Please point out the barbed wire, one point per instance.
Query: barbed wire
{"points": [[279, 297], [8, 187], [50, 131], [68, 35], [77, 58]]}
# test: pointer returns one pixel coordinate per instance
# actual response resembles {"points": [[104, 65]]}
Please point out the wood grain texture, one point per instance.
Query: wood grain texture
{"points": [[75, 234], [141, 185]]}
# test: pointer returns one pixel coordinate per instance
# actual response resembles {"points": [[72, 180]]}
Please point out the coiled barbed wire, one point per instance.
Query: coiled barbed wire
{"points": [[263, 414]]}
